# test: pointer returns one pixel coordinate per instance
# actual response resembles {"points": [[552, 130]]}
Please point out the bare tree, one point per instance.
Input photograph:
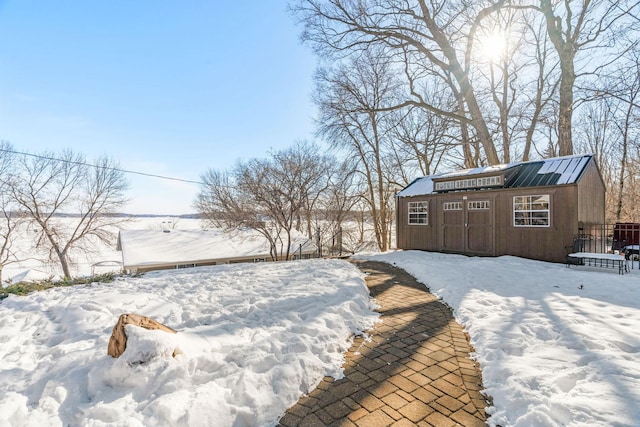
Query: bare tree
{"points": [[267, 195], [10, 218], [10, 223], [421, 142], [313, 171], [342, 192], [336, 202], [539, 93], [631, 207], [435, 38], [505, 66], [47, 187], [629, 130], [352, 98], [587, 27], [620, 95], [598, 135]]}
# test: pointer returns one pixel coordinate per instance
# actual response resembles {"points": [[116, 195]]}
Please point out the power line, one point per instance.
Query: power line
{"points": [[103, 167]]}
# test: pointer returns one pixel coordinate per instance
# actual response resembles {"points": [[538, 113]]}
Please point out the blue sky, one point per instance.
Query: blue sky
{"points": [[164, 87]]}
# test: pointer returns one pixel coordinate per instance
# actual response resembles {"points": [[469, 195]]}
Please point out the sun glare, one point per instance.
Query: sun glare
{"points": [[492, 47]]}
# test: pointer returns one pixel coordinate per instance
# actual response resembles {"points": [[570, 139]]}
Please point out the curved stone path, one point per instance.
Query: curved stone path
{"points": [[414, 371]]}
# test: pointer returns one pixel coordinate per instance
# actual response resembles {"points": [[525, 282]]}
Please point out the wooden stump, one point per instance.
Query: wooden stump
{"points": [[118, 340]]}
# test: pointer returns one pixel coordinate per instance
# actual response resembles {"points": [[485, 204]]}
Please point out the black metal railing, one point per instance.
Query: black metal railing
{"points": [[622, 238], [332, 246]]}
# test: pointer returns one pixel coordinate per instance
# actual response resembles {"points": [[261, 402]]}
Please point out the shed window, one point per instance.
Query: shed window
{"points": [[487, 181], [452, 206], [418, 213], [531, 211], [478, 205]]}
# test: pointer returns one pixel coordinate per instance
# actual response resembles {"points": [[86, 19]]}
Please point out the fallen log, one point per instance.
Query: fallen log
{"points": [[118, 340]]}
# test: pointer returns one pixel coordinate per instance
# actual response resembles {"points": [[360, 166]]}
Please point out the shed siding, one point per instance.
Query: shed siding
{"points": [[416, 236], [591, 198], [542, 243], [576, 195]]}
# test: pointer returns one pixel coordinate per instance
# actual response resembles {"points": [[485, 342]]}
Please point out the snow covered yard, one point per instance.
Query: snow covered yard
{"points": [[252, 339], [557, 346]]}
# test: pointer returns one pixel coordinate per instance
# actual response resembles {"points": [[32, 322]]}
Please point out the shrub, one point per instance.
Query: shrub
{"points": [[24, 288]]}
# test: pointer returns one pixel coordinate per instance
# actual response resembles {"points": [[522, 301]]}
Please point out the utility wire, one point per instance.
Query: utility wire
{"points": [[104, 167]]}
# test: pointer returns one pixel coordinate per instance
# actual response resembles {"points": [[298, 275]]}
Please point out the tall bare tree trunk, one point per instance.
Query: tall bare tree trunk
{"points": [[565, 117], [623, 161], [565, 40], [477, 118]]}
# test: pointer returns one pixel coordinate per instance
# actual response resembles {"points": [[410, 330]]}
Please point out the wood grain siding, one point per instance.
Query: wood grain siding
{"points": [[543, 243], [481, 221], [591, 197], [414, 236], [446, 230]]}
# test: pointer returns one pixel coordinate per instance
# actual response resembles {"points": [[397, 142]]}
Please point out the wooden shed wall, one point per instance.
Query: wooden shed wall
{"points": [[591, 197], [423, 237], [542, 243]]}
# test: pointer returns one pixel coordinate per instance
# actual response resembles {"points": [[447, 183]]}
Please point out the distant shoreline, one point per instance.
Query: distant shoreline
{"points": [[122, 214]]}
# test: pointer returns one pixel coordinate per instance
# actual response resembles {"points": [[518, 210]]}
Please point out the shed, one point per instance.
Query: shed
{"points": [[527, 209], [146, 250]]}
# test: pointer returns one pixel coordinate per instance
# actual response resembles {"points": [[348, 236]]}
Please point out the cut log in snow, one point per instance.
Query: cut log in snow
{"points": [[118, 340]]}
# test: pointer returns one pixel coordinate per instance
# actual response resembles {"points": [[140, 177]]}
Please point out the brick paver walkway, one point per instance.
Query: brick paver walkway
{"points": [[415, 370]]}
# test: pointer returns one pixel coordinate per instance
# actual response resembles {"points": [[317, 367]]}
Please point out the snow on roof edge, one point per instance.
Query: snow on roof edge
{"points": [[424, 185]]}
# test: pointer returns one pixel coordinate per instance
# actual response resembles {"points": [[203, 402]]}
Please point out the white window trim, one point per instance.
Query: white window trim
{"points": [[417, 210], [478, 205], [457, 184], [530, 211], [451, 206]]}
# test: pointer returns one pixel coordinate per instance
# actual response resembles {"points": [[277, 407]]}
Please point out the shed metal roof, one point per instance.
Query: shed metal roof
{"points": [[554, 171]]}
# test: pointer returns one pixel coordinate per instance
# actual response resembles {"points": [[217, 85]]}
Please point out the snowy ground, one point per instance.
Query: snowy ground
{"points": [[557, 346], [252, 339]]}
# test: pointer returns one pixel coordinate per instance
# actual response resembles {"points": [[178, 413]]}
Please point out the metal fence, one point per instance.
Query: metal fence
{"points": [[607, 238], [622, 238], [332, 247]]}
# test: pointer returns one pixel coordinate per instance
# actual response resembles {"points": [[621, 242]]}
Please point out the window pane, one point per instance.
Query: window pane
{"points": [[418, 213], [532, 211]]}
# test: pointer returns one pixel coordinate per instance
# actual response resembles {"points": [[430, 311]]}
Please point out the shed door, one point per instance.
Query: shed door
{"points": [[452, 225], [467, 226], [479, 229]]}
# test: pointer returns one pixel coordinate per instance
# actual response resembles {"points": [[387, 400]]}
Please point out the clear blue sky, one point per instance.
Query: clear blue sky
{"points": [[163, 86]]}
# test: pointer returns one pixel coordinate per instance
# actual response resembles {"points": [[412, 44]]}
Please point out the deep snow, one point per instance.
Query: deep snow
{"points": [[557, 346], [253, 338]]}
